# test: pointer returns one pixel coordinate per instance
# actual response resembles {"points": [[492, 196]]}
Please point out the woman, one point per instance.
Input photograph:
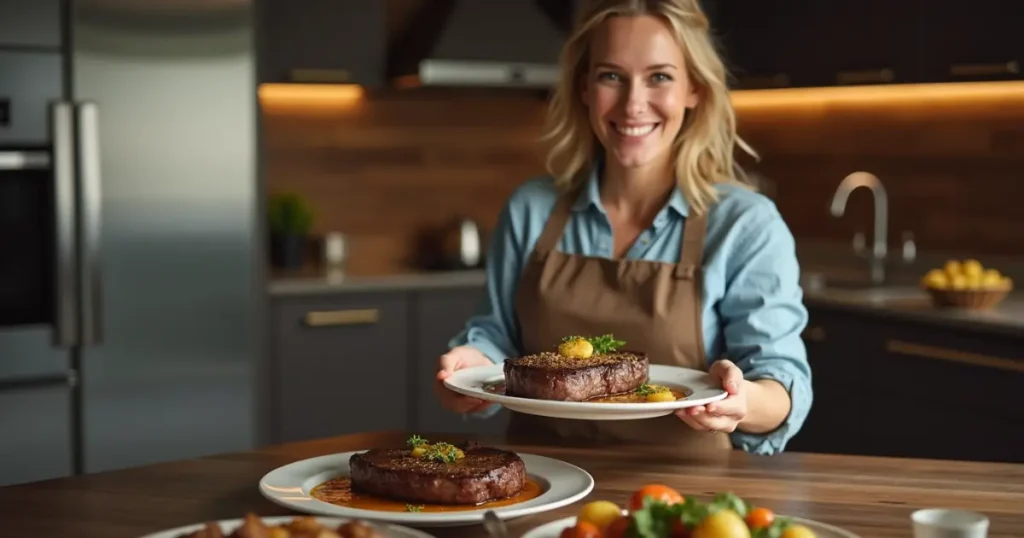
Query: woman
{"points": [[643, 231]]}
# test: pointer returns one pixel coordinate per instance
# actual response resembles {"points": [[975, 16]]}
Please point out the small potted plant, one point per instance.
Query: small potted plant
{"points": [[290, 219]]}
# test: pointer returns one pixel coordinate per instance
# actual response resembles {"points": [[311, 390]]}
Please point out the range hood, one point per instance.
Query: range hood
{"points": [[482, 43]]}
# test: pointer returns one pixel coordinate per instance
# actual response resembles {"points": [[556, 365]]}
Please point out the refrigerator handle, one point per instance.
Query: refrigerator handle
{"points": [[65, 296], [90, 207]]}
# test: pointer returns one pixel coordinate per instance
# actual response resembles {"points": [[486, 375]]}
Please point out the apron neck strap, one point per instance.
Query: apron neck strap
{"points": [[554, 227], [692, 248]]}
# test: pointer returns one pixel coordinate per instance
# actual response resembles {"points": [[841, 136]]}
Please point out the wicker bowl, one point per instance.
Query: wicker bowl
{"points": [[982, 299]]}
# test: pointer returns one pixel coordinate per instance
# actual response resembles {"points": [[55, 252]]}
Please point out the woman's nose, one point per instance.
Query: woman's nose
{"points": [[636, 100]]}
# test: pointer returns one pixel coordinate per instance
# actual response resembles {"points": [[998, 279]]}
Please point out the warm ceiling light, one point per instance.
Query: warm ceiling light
{"points": [[896, 94], [291, 95]]}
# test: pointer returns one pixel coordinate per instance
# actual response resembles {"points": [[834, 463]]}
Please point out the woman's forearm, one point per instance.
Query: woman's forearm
{"points": [[768, 405]]}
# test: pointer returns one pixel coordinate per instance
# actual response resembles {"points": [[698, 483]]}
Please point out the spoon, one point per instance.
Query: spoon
{"points": [[494, 526]]}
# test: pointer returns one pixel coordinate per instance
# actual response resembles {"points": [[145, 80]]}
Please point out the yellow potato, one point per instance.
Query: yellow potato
{"points": [[600, 513], [797, 531], [661, 396], [952, 267], [958, 282], [419, 451]]}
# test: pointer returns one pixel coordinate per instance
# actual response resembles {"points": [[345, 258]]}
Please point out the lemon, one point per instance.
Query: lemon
{"points": [[959, 282], [936, 279], [953, 267], [599, 513], [972, 268]]}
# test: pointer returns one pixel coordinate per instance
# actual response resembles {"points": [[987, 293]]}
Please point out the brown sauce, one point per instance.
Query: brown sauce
{"points": [[628, 397], [339, 492]]}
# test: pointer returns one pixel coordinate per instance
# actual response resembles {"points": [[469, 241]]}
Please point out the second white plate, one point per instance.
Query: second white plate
{"points": [[561, 484], [821, 530], [227, 526], [698, 386]]}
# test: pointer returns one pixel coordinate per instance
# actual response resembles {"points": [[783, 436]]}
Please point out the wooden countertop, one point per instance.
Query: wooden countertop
{"points": [[869, 496]]}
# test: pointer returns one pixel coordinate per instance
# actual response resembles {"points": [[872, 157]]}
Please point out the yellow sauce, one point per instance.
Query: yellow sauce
{"points": [[339, 492]]}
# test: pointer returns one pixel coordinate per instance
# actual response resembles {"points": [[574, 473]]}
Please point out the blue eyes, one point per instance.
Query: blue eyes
{"points": [[656, 78]]}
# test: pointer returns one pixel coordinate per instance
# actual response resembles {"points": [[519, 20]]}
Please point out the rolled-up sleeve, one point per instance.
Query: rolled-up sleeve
{"points": [[763, 316], [493, 329]]}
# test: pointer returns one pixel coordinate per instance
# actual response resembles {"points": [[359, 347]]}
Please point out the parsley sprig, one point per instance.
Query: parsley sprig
{"points": [[443, 452], [416, 441], [413, 507]]}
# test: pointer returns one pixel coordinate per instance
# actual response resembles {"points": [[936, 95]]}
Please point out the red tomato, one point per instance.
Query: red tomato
{"points": [[679, 530], [617, 528], [657, 492], [581, 529], [759, 518]]}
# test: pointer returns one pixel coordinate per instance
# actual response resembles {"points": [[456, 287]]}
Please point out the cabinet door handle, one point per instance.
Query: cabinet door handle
{"points": [[330, 318], [954, 355], [967, 70], [866, 76], [320, 75]]}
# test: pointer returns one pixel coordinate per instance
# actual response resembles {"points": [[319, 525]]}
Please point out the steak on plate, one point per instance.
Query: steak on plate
{"points": [[552, 376], [483, 475]]}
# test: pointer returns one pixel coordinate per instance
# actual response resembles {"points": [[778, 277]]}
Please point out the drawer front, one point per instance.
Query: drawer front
{"points": [[30, 23], [29, 82], [341, 366]]}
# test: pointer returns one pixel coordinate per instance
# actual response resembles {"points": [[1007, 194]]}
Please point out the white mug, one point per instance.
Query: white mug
{"points": [[949, 523]]}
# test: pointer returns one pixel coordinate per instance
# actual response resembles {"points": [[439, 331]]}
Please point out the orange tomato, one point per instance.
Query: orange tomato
{"points": [[581, 529], [759, 518], [617, 528], [657, 492]]}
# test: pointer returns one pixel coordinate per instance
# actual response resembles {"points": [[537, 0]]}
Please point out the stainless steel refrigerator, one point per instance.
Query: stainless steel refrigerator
{"points": [[130, 238]]}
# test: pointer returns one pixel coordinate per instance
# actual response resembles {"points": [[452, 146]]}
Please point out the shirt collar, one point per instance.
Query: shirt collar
{"points": [[590, 195]]}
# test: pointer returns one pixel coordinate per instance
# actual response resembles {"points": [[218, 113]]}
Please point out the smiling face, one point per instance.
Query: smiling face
{"points": [[637, 90]]}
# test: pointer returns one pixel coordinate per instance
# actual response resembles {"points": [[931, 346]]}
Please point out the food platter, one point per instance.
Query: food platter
{"points": [[292, 486], [697, 385], [228, 526], [821, 530]]}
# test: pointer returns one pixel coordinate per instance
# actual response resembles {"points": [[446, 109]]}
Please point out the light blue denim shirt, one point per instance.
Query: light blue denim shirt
{"points": [[753, 310]]}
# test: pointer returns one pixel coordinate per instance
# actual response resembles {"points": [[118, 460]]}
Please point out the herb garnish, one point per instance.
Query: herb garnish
{"points": [[413, 507], [443, 452], [416, 441], [645, 389], [601, 344], [605, 343]]}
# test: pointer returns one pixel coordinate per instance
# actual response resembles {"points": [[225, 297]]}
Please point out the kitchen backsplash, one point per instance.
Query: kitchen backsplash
{"points": [[381, 169]]}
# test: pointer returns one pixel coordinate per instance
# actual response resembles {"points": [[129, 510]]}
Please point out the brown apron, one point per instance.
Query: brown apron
{"points": [[655, 307]]}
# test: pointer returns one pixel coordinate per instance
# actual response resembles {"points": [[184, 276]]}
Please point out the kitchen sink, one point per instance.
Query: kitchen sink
{"points": [[859, 289]]}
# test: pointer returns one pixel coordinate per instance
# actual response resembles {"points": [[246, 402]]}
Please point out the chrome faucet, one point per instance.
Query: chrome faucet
{"points": [[879, 250]]}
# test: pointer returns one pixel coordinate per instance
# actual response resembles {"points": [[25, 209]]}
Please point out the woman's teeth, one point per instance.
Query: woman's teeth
{"points": [[635, 131]]}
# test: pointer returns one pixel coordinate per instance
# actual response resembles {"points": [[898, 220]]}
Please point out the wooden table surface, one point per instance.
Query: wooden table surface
{"points": [[869, 496]]}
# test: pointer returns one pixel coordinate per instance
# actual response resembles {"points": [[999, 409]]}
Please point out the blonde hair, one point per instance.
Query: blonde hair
{"points": [[706, 140]]}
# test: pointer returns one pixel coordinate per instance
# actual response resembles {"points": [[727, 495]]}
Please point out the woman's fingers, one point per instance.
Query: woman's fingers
{"points": [[728, 374]]}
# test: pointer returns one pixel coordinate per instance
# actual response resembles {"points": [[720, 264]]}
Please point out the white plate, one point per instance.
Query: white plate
{"points": [[697, 384], [228, 526], [821, 530], [561, 484]]}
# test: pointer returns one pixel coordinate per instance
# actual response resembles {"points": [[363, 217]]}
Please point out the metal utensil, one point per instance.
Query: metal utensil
{"points": [[494, 526]]}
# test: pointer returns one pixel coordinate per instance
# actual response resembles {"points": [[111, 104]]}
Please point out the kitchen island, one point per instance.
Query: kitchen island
{"points": [[872, 497]]}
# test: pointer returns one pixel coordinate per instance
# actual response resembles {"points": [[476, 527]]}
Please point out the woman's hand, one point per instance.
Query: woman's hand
{"points": [[723, 415], [456, 359]]}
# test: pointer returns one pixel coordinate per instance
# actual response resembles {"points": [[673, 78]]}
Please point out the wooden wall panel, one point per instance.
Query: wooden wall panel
{"points": [[383, 168]]}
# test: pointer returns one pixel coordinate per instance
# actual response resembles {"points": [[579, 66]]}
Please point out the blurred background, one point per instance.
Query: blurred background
{"points": [[228, 223]]}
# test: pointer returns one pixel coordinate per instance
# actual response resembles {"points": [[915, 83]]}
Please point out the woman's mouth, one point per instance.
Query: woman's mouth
{"points": [[634, 130]]}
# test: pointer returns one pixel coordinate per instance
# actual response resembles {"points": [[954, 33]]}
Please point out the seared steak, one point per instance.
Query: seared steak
{"points": [[484, 474], [552, 376]]}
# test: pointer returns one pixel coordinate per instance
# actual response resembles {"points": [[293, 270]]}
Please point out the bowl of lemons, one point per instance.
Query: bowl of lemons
{"points": [[966, 284]]}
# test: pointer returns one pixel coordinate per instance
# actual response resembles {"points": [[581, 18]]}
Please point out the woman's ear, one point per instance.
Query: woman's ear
{"points": [[693, 98]]}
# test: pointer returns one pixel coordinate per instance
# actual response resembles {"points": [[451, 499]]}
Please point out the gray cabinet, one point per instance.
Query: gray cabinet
{"points": [[437, 315], [340, 365], [358, 361], [36, 435], [29, 81], [30, 23]]}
